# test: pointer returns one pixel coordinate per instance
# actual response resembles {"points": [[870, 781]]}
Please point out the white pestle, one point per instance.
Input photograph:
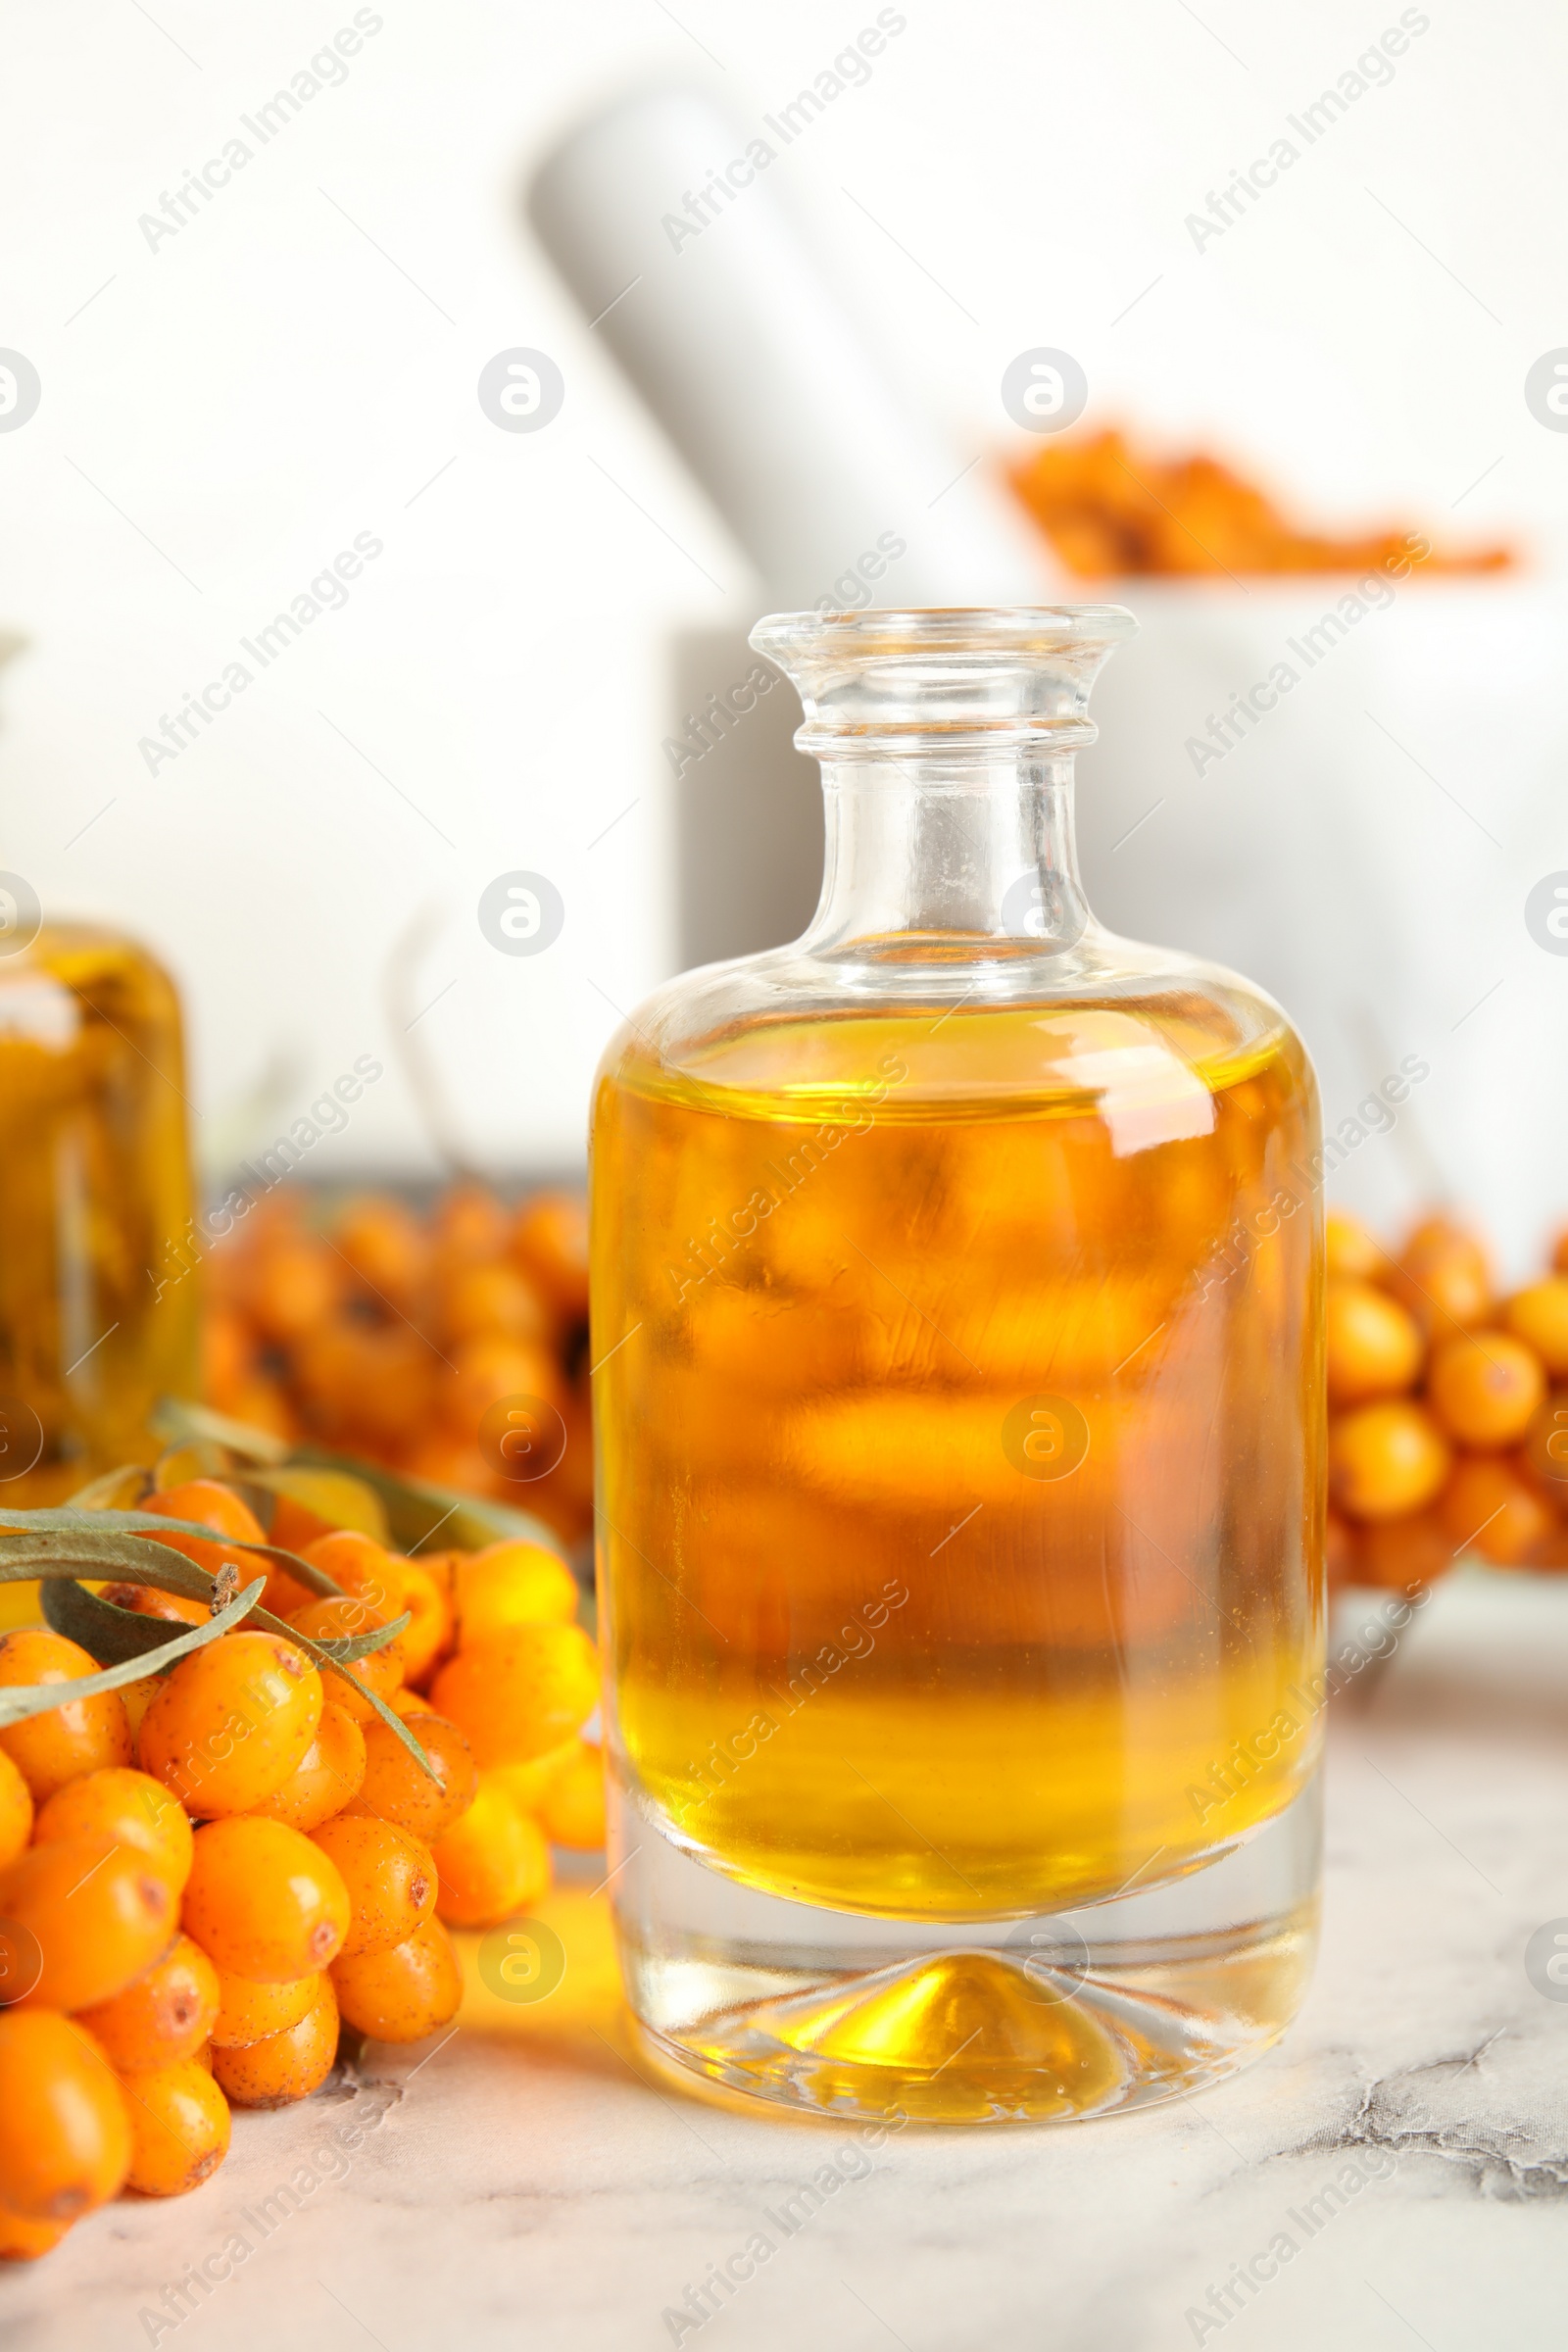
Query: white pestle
{"points": [[835, 485]]}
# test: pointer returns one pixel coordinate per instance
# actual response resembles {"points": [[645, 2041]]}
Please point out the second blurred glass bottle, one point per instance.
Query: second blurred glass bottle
{"points": [[98, 1281]]}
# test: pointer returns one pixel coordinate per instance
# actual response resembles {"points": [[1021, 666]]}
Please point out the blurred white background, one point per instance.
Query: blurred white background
{"points": [[223, 414]]}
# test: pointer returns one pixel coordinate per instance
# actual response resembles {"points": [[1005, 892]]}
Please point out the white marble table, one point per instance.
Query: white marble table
{"points": [[523, 2186]]}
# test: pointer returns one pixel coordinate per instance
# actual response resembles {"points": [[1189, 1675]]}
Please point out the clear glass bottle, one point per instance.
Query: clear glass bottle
{"points": [[957, 1307], [98, 1250]]}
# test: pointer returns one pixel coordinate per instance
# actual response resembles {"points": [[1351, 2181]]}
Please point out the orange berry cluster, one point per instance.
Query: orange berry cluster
{"points": [[202, 1875], [391, 1336], [1447, 1408], [1111, 507]]}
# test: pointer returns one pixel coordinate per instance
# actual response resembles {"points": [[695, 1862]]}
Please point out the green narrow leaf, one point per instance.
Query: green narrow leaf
{"points": [[113, 1558], [23, 1700], [92, 1526], [199, 1586], [110, 1633], [323, 1656], [419, 1511], [116, 1490], [340, 1497], [104, 1628], [344, 1648], [395, 1722], [178, 1420]]}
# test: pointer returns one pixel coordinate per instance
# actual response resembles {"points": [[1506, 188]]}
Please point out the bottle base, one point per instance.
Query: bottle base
{"points": [[1148, 1996]]}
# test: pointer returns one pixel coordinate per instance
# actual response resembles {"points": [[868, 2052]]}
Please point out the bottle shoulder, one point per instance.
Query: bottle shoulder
{"points": [[958, 1026]]}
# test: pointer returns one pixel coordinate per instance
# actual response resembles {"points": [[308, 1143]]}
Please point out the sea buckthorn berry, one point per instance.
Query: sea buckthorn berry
{"points": [[16, 1810], [232, 1722], [469, 1226], [164, 2017], [550, 1243], [21, 2240], [573, 1811], [228, 1355], [386, 1246], [358, 1564], [487, 1369], [179, 2127], [1443, 1278], [427, 1636], [363, 1382], [523, 1692], [325, 1779], [1349, 1249], [294, 1287], [263, 1903], [285, 1594], [512, 1584], [265, 1404], [452, 1460], [380, 1670], [1385, 1460], [128, 1806], [210, 1503], [480, 1301], [65, 2137], [82, 1735], [137, 1697], [528, 1785], [1538, 1317], [1398, 1556], [1374, 1347], [406, 1992], [1485, 1390], [1488, 1508], [390, 1877], [443, 1566], [146, 1600], [250, 2012], [98, 1914], [397, 1790], [493, 1861], [286, 2066]]}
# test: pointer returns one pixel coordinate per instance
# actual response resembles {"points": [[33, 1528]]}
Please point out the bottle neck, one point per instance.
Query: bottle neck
{"points": [[933, 855]]}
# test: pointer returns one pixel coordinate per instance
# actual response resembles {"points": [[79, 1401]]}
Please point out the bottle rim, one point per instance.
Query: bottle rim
{"points": [[965, 629]]}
